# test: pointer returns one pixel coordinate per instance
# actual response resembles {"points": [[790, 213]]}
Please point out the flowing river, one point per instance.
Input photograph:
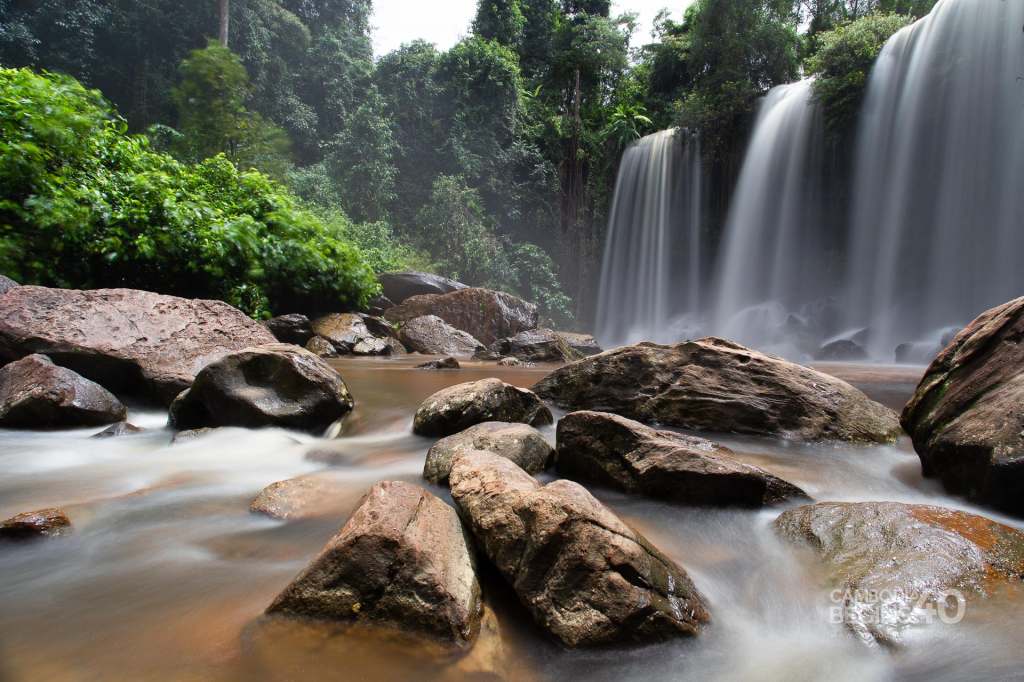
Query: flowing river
{"points": [[167, 572]]}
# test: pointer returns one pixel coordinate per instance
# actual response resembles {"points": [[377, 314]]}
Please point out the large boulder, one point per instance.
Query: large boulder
{"points": [[486, 315], [536, 345], [402, 561], [293, 328], [6, 284], [37, 394], [890, 560], [127, 340], [520, 443], [349, 334], [720, 386], [965, 417], [621, 453], [398, 286], [431, 335], [458, 407], [44, 523], [273, 385], [584, 575]]}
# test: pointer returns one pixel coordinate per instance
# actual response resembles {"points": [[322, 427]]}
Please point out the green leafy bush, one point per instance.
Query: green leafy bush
{"points": [[86, 205], [843, 62]]}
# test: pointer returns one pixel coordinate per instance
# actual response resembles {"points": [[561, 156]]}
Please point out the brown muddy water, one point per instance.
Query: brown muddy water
{"points": [[167, 572]]}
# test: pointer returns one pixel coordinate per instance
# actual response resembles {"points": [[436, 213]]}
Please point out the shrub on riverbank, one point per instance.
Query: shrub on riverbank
{"points": [[84, 204]]}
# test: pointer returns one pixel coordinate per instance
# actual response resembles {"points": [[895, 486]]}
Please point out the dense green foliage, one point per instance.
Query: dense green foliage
{"points": [[85, 204], [843, 62]]}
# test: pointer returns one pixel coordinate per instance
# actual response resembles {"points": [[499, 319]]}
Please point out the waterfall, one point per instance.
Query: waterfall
{"points": [[654, 226], [772, 256], [937, 227]]}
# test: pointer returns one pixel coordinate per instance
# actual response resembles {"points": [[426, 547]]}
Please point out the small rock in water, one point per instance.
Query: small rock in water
{"points": [[192, 434], [513, 362], [520, 443], [36, 524], [458, 407], [321, 347], [118, 429], [443, 363], [403, 561], [37, 394]]}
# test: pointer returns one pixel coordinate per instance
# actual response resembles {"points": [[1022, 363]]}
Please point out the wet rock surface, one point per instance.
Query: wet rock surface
{"points": [[621, 453], [520, 443], [124, 339], [720, 386], [585, 577], [443, 363], [399, 286], [458, 407], [537, 345], [303, 497], [34, 525], [431, 335], [402, 560], [118, 429], [966, 417], [889, 558], [272, 385], [293, 328], [37, 394], [484, 314]]}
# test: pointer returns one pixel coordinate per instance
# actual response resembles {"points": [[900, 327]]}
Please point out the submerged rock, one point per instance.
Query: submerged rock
{"points": [[537, 345], [584, 576], [520, 443], [402, 560], [965, 417], [193, 434], [294, 328], [33, 525], [272, 385], [399, 286], [302, 497], [118, 429], [717, 385], [37, 394], [614, 451], [484, 314], [889, 559], [458, 407], [443, 363], [124, 339], [431, 335]]}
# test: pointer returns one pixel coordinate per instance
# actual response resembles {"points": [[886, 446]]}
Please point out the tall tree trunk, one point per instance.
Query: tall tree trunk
{"points": [[225, 15]]}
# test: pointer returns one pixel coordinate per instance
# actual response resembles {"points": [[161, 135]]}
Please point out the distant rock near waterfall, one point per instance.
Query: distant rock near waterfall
{"points": [[718, 385], [484, 314], [124, 339], [966, 417]]}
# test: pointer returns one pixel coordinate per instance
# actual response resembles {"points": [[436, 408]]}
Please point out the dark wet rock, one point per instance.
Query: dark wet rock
{"points": [[621, 453], [513, 362], [520, 443], [6, 284], [303, 497], [907, 555], [349, 334], [458, 407], [379, 304], [537, 345], [584, 344], [36, 524], [484, 314], [117, 430], [443, 363], [431, 335], [584, 575], [402, 561], [398, 286], [716, 385], [321, 347], [37, 394], [193, 434], [127, 340], [841, 350], [272, 385], [293, 328], [379, 327], [966, 417]]}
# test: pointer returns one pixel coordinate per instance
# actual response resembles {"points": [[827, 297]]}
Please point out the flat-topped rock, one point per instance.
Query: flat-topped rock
{"points": [[719, 386], [124, 339], [621, 453], [484, 314], [520, 443], [402, 560], [585, 576], [37, 394], [458, 407]]}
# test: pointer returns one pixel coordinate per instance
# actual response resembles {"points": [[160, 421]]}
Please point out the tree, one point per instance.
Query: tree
{"points": [[224, 9], [501, 21]]}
